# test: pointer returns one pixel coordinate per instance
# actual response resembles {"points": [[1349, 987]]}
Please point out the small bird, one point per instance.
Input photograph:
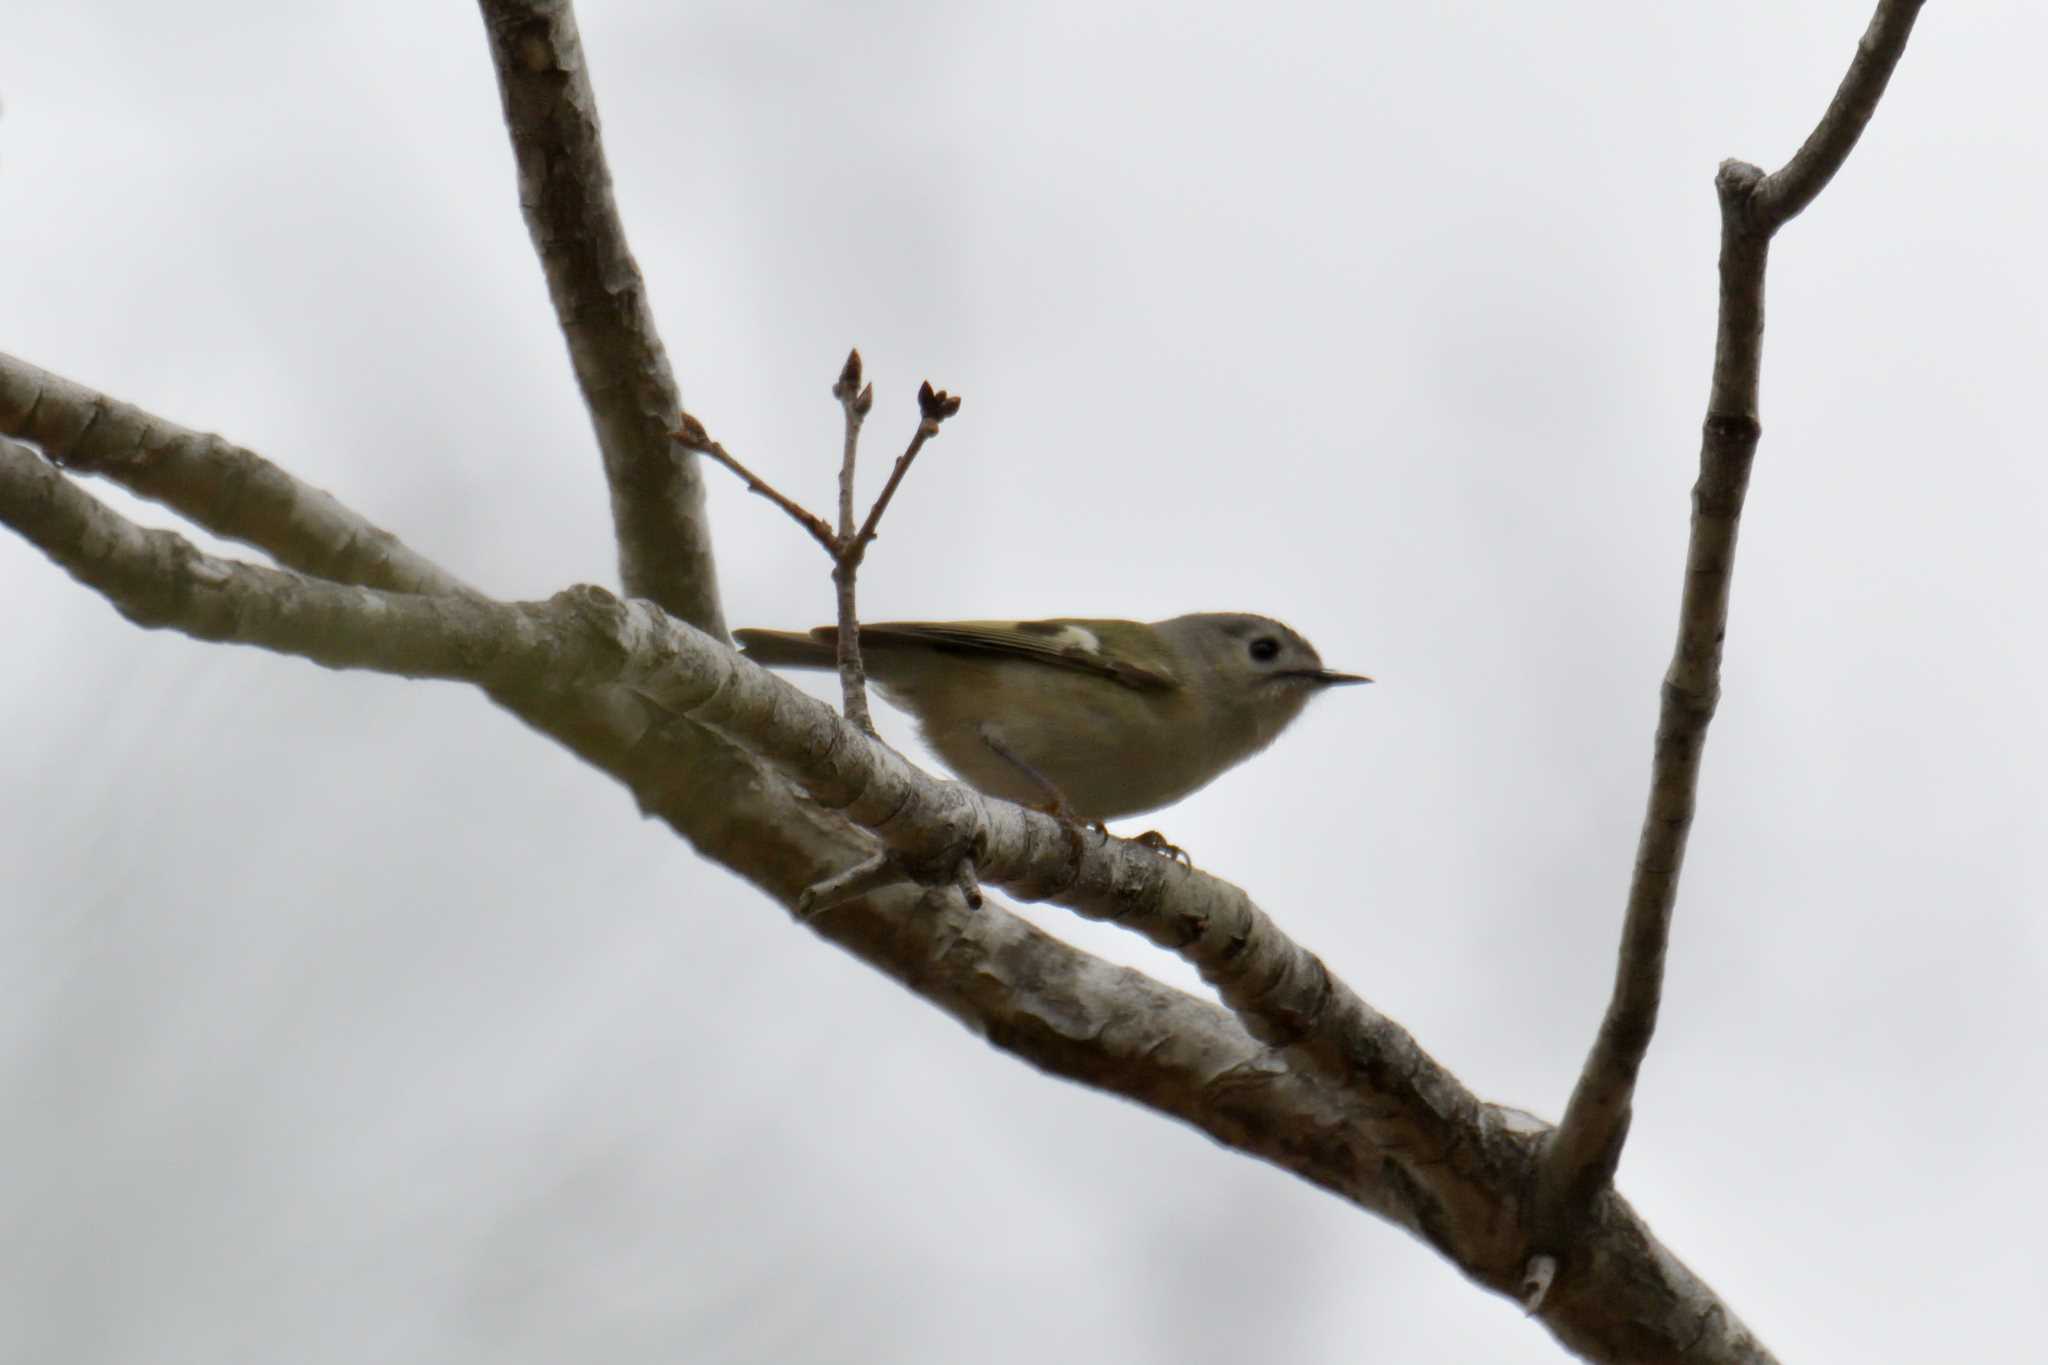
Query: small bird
{"points": [[1090, 720]]}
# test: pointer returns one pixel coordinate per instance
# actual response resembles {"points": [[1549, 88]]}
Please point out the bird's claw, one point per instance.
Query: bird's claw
{"points": [[1157, 842]]}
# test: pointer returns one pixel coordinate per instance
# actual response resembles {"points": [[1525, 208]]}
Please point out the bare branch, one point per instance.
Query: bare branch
{"points": [[239, 495], [691, 435], [1586, 1147], [846, 546], [232, 492], [1370, 1116], [585, 638], [1398, 1135], [854, 402], [934, 407], [1786, 192], [565, 191], [876, 870]]}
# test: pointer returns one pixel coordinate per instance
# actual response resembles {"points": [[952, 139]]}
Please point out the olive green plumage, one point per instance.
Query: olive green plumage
{"points": [[1104, 718]]}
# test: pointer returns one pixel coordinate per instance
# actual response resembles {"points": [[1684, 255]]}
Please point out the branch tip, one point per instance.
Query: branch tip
{"points": [[1536, 1280], [848, 383], [690, 433], [967, 883], [877, 870], [935, 405]]}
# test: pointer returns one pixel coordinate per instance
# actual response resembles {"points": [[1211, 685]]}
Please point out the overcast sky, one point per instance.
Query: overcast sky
{"points": [[344, 1019]]}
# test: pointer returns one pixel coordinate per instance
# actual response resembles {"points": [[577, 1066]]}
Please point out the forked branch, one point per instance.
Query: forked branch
{"points": [[1329, 1089], [846, 546], [1584, 1150]]}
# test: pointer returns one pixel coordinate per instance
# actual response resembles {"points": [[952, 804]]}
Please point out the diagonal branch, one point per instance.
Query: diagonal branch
{"points": [[1787, 191], [583, 638], [691, 435], [1586, 1147], [232, 492], [1371, 1116], [934, 406], [565, 191]]}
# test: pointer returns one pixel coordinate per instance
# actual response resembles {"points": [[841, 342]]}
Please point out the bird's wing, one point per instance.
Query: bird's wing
{"points": [[1057, 644]]}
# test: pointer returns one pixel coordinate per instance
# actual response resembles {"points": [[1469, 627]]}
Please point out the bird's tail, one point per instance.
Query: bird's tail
{"points": [[786, 648]]}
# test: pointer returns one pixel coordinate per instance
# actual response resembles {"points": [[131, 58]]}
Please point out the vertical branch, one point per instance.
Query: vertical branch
{"points": [[565, 191], [854, 402], [1582, 1153]]}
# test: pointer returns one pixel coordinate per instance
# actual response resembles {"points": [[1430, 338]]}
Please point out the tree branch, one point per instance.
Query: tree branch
{"points": [[1341, 1096], [1399, 1135], [845, 546], [600, 300], [934, 406], [232, 492], [1586, 1147], [855, 401], [581, 638], [692, 436], [1786, 192]]}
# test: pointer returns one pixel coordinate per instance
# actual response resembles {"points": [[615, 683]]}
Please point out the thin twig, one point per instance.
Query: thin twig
{"points": [[854, 402], [858, 550], [690, 435], [934, 406], [1581, 1156], [854, 405], [846, 546], [850, 883]]}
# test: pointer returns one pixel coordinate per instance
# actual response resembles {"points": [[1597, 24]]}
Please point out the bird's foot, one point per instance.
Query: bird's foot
{"points": [[1157, 842]]}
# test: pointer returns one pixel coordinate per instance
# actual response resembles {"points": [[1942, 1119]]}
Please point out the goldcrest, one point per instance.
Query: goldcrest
{"points": [[1091, 719]]}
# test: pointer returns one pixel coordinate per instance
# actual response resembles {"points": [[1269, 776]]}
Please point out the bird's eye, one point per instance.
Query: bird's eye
{"points": [[1265, 649]]}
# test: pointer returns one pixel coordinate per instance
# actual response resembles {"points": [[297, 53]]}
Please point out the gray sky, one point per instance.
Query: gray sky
{"points": [[342, 1019]]}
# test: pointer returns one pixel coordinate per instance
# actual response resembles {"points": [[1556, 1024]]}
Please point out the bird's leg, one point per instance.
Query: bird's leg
{"points": [[1055, 804]]}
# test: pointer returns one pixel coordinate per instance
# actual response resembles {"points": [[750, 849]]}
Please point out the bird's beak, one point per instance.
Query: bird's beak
{"points": [[1323, 677]]}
